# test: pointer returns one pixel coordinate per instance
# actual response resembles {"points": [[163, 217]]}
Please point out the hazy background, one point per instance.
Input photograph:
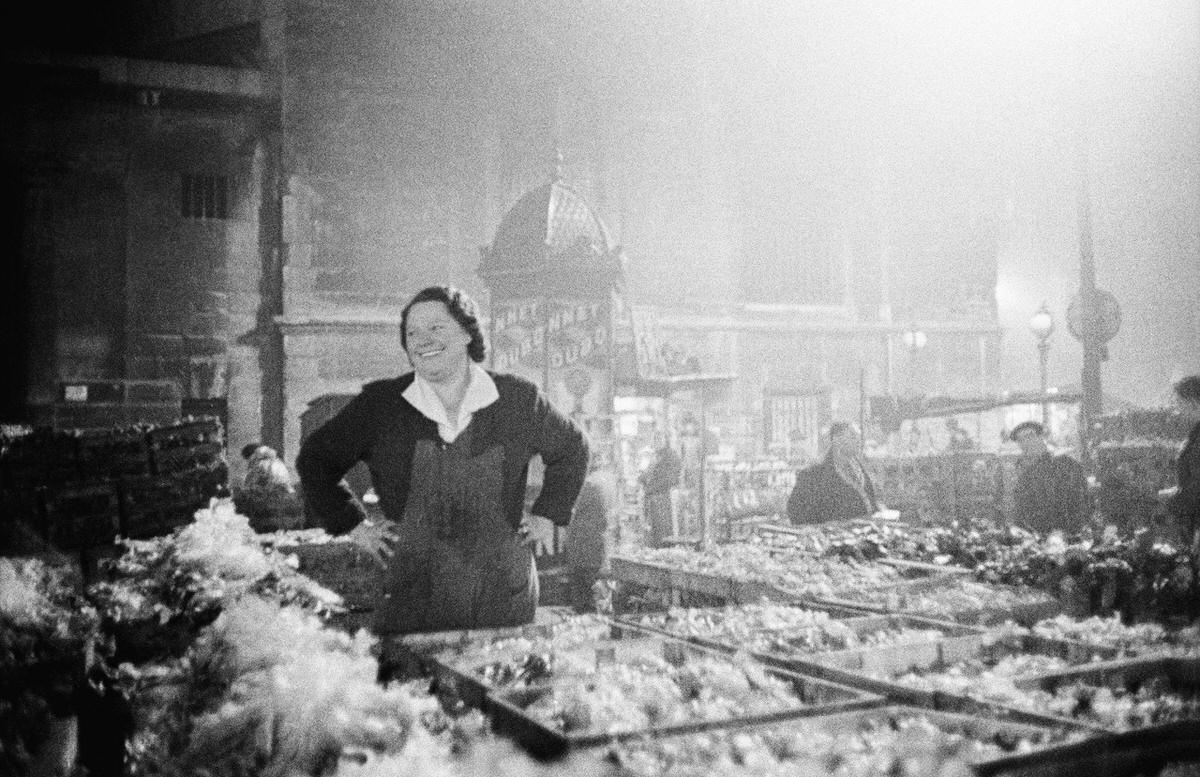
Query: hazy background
{"points": [[983, 110], [1024, 86]]}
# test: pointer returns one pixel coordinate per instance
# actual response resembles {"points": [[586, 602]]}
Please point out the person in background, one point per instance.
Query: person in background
{"points": [[265, 471], [587, 545], [1183, 499], [267, 496], [839, 486], [657, 481], [1051, 492], [448, 446]]}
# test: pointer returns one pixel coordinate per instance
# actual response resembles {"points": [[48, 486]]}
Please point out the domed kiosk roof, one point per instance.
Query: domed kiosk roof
{"points": [[549, 235], [547, 222]]}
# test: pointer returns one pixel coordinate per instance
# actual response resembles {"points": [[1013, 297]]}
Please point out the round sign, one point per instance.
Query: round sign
{"points": [[1107, 320]]}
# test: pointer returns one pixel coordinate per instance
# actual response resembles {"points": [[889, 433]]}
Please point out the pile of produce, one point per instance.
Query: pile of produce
{"points": [[793, 631], [735, 625], [269, 690], [1118, 708], [987, 679], [1105, 632], [902, 744], [867, 541], [46, 633], [648, 691], [511, 653], [795, 573], [1143, 574], [956, 598], [160, 591]]}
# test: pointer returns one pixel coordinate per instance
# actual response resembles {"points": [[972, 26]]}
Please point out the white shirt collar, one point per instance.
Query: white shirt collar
{"points": [[481, 392]]}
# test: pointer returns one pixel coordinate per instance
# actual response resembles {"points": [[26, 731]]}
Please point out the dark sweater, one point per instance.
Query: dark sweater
{"points": [[821, 494], [1186, 502], [381, 428], [1051, 494]]}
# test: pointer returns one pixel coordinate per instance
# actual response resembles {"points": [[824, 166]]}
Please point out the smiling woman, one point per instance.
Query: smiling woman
{"points": [[448, 446]]}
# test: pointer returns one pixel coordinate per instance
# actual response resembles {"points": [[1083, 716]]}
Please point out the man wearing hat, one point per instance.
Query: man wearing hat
{"points": [[1051, 489]]}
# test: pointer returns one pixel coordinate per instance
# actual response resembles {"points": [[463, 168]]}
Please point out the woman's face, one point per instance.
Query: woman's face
{"points": [[436, 344]]}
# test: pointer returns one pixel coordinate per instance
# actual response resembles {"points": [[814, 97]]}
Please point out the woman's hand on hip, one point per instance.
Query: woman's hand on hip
{"points": [[536, 535], [377, 538]]}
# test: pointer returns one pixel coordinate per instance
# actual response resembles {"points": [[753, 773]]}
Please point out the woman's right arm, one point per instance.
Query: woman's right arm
{"points": [[325, 457]]}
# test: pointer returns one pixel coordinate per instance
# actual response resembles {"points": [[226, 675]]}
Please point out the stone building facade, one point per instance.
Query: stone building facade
{"points": [[356, 155]]}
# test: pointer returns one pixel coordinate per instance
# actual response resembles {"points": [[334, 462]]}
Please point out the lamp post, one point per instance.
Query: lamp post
{"points": [[1041, 323]]}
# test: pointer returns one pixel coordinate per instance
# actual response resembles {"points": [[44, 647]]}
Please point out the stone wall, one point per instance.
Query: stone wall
{"points": [[121, 284]]}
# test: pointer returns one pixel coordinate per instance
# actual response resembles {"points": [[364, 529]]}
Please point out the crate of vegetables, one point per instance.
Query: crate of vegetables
{"points": [[1167, 750], [1129, 639], [467, 663], [959, 599], [643, 573], [641, 684], [792, 636], [1122, 695], [984, 681], [893, 739]]}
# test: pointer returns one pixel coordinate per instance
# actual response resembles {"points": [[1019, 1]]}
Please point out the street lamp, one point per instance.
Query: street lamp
{"points": [[1041, 323]]}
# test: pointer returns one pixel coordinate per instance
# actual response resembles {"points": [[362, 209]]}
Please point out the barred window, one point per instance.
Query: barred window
{"points": [[203, 196]]}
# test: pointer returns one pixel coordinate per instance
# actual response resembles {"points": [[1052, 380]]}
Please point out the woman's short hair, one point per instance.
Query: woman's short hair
{"points": [[461, 307], [1189, 388]]}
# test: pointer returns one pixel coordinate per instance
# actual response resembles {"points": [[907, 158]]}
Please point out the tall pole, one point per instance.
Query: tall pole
{"points": [[1043, 352], [1089, 303], [1093, 341]]}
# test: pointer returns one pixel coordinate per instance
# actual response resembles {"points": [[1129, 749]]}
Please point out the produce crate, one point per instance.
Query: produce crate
{"points": [[436, 654], [904, 598], [81, 517], [662, 622], [875, 678], [686, 587], [808, 539], [858, 664], [511, 715], [922, 570], [831, 738], [114, 453], [1130, 754], [957, 643], [1173, 675], [342, 566], [632, 571], [156, 505]]}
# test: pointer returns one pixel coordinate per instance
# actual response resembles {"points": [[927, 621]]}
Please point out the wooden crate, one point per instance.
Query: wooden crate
{"points": [[630, 570], [508, 709], [827, 731], [1175, 674], [81, 517], [1026, 614], [343, 567]]}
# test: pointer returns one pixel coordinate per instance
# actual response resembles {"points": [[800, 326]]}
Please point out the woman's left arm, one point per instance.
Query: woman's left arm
{"points": [[564, 450]]}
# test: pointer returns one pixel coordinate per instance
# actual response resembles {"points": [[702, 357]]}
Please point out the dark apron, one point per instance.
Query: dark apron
{"points": [[458, 562]]}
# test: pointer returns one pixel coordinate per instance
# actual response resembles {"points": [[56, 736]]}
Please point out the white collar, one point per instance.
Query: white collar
{"points": [[481, 392]]}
